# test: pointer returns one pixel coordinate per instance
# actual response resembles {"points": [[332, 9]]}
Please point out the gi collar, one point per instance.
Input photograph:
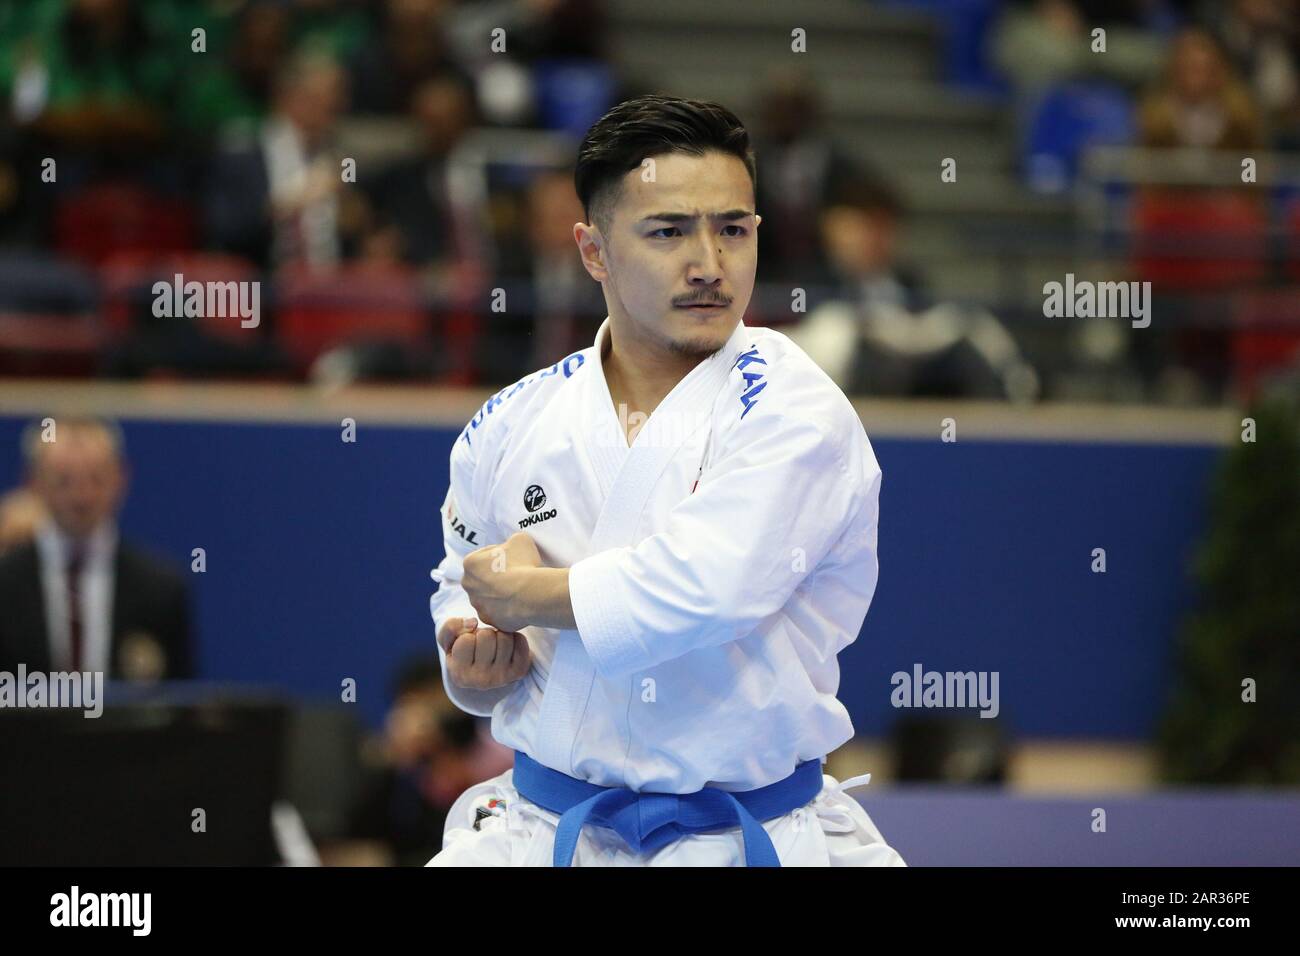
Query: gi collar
{"points": [[698, 388]]}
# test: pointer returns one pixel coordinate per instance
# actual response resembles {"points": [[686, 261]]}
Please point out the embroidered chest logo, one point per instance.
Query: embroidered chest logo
{"points": [[534, 501], [753, 380]]}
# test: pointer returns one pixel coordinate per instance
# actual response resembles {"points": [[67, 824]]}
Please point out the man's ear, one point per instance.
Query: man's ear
{"points": [[758, 221], [589, 240]]}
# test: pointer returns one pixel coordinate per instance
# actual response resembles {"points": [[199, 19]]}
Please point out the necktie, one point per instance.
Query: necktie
{"points": [[76, 560]]}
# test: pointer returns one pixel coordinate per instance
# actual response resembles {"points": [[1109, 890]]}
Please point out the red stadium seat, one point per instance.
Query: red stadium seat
{"points": [[1267, 336], [33, 344], [317, 311], [98, 222], [128, 279], [1293, 243], [1199, 239]]}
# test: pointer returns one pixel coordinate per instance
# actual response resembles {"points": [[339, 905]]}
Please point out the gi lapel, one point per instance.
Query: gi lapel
{"points": [[627, 477]]}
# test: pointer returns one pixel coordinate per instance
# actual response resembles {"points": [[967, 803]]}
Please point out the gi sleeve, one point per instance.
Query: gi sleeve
{"points": [[463, 531], [732, 553]]}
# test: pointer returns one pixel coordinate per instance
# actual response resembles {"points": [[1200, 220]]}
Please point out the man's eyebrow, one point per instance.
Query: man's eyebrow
{"points": [[731, 215]]}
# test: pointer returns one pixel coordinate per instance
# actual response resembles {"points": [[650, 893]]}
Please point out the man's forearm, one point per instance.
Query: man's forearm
{"points": [[544, 599]]}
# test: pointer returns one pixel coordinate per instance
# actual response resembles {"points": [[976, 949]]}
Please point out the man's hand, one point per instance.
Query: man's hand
{"points": [[511, 590], [481, 658], [496, 578]]}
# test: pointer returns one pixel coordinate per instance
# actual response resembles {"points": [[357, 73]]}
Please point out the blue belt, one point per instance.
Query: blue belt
{"points": [[648, 821]]}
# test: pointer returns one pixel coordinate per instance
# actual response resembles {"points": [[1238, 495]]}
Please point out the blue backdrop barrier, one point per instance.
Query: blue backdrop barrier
{"points": [[318, 557]]}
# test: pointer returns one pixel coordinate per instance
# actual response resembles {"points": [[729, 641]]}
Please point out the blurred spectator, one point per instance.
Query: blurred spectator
{"points": [[237, 84], [430, 753], [1262, 38], [409, 49], [554, 307], [860, 229], [875, 339], [90, 71], [535, 29], [77, 597], [276, 197], [26, 208], [1039, 43], [532, 31], [336, 28], [1191, 241], [798, 168], [415, 198], [1200, 101]]}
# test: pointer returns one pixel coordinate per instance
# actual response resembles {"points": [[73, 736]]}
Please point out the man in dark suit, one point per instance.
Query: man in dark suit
{"points": [[275, 192], [75, 597]]}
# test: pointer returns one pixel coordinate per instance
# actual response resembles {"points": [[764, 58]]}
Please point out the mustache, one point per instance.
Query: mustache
{"points": [[712, 300]]}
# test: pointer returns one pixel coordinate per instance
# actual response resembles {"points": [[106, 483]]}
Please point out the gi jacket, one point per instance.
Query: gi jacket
{"points": [[717, 566]]}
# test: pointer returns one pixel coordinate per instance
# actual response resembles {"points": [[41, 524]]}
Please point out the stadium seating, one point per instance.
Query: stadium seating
{"points": [[49, 315], [94, 224], [1067, 120], [1199, 239], [319, 311], [128, 279]]}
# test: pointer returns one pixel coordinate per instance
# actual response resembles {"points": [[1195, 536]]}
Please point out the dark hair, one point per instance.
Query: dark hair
{"points": [[865, 191], [647, 126]]}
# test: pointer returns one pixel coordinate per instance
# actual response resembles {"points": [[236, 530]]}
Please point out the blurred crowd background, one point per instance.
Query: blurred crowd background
{"points": [[386, 170], [382, 166]]}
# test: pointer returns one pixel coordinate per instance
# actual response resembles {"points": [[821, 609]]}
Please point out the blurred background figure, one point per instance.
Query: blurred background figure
{"points": [[881, 334], [554, 307], [408, 48], [76, 597], [1262, 38], [566, 307], [91, 73], [276, 197], [1196, 241], [801, 167], [1200, 102], [430, 751], [1038, 43], [413, 198], [237, 83]]}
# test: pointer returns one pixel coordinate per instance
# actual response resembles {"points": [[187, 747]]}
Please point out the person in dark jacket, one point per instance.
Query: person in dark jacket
{"points": [[76, 597]]}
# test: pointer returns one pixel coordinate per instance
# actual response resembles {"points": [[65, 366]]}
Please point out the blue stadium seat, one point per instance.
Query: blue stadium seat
{"points": [[572, 94], [1067, 120], [966, 25]]}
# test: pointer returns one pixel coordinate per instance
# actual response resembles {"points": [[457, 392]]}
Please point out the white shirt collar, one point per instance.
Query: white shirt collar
{"points": [[54, 545]]}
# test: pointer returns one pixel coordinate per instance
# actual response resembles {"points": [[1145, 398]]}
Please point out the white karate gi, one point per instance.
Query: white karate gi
{"points": [[709, 613]]}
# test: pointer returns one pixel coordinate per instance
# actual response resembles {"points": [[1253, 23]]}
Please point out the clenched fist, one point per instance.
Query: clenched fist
{"points": [[480, 658], [497, 578]]}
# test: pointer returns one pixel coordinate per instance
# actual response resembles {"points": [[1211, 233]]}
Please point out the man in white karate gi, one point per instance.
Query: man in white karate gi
{"points": [[656, 547]]}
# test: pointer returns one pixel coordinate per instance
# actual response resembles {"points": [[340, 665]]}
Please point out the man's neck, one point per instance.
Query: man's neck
{"points": [[640, 377]]}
